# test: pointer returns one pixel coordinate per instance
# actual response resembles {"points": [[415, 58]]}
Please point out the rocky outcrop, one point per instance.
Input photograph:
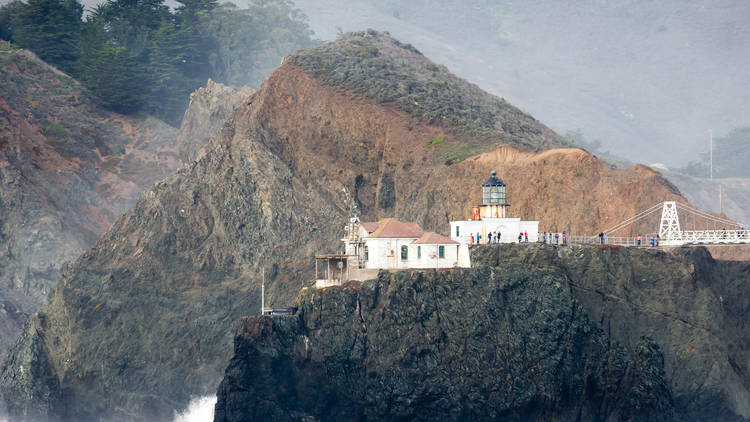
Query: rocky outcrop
{"points": [[68, 168], [209, 108], [533, 332], [479, 344], [272, 188], [691, 305]]}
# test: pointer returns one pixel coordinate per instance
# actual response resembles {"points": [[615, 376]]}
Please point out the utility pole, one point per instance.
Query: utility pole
{"points": [[263, 292], [711, 154]]}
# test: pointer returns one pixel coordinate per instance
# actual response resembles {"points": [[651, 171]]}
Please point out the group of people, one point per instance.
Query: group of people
{"points": [[654, 240], [495, 237], [555, 238], [492, 237]]}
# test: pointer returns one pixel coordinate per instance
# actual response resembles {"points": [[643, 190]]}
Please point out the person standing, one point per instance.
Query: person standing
{"points": [[657, 240], [639, 239], [565, 239], [526, 236], [601, 238], [557, 238], [472, 239]]}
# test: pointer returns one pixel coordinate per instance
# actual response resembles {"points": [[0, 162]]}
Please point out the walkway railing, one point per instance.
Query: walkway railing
{"points": [[715, 236], [610, 240]]}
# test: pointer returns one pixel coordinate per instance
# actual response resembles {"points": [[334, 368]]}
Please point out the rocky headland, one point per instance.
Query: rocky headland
{"points": [[532, 332]]}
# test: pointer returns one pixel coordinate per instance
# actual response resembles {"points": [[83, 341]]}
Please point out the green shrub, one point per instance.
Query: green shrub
{"points": [[435, 141], [55, 130]]}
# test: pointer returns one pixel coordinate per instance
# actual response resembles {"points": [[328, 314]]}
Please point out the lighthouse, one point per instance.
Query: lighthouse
{"points": [[494, 202], [490, 221]]}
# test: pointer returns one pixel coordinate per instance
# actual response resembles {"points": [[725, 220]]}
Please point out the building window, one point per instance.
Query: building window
{"points": [[441, 251], [419, 252], [367, 253], [404, 253], [457, 232]]}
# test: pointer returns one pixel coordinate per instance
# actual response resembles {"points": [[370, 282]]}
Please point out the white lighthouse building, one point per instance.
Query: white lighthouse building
{"points": [[490, 222], [390, 244]]}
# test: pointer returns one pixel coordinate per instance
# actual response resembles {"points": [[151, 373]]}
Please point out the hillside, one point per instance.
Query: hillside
{"points": [[175, 273], [68, 168], [387, 71]]}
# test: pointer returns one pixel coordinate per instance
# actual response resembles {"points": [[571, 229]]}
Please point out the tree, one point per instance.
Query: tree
{"points": [[110, 72], [8, 14], [52, 30]]}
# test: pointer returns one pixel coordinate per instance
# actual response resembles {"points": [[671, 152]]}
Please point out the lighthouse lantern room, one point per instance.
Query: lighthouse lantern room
{"points": [[493, 200]]}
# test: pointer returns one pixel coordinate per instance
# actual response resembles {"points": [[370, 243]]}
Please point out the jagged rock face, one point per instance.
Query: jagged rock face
{"points": [[145, 319], [507, 342], [692, 306], [209, 108], [67, 169], [394, 347]]}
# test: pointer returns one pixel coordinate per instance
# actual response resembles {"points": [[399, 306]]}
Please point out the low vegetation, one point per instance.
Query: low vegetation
{"points": [[382, 68]]}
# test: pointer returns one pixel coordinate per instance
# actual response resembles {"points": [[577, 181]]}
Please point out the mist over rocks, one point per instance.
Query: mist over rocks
{"points": [[68, 168]]}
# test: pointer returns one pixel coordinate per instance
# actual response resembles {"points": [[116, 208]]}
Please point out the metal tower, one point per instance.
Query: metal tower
{"points": [[669, 228]]}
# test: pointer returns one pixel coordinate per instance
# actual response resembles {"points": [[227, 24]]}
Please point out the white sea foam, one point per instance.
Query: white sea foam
{"points": [[200, 409]]}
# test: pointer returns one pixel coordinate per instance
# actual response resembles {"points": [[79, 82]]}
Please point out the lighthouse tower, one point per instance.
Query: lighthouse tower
{"points": [[490, 221], [494, 204]]}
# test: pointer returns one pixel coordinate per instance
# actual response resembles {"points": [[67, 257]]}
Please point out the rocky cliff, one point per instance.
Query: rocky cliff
{"points": [[209, 108], [68, 168], [273, 187], [479, 344], [531, 333]]}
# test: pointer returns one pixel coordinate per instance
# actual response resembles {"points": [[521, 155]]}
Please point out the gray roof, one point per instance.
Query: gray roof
{"points": [[493, 180]]}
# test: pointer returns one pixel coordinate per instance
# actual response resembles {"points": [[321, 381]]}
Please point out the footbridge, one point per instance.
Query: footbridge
{"points": [[671, 233]]}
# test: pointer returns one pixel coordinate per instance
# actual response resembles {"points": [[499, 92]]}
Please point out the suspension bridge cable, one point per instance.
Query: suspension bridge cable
{"points": [[633, 219], [629, 221], [710, 216]]}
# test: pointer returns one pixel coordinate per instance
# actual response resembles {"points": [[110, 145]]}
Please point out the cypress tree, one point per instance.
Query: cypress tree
{"points": [[110, 72], [52, 30]]}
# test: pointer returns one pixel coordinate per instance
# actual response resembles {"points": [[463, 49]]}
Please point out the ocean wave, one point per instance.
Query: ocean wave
{"points": [[200, 409]]}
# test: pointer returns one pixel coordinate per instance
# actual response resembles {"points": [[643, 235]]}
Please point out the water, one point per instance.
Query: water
{"points": [[200, 409]]}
